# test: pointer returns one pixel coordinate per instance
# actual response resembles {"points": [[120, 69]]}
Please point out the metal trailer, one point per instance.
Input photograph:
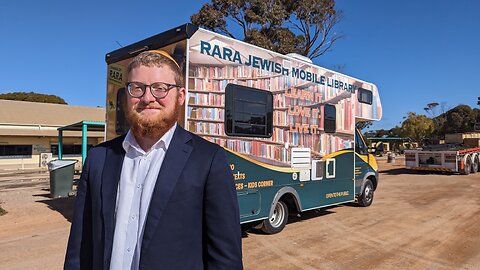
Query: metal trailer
{"points": [[447, 158]]}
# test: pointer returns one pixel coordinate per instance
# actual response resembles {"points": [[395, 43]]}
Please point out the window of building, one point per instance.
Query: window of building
{"points": [[365, 96], [248, 111], [68, 149], [329, 118], [15, 151]]}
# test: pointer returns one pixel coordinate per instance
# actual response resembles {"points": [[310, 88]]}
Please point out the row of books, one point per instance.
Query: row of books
{"points": [[209, 85], [206, 128], [280, 135], [258, 148], [206, 113], [323, 143], [228, 72], [280, 118], [210, 99], [279, 101], [345, 118], [329, 143]]}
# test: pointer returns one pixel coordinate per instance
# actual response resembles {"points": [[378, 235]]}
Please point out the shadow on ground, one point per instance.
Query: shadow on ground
{"points": [[293, 218], [399, 171], [62, 205]]}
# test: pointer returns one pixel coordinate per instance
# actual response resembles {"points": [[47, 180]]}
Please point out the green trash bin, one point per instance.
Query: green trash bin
{"points": [[61, 177]]}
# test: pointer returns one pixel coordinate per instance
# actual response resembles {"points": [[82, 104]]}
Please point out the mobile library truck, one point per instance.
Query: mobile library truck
{"points": [[288, 126]]}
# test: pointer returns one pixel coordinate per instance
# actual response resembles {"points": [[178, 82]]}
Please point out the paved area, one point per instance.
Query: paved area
{"points": [[417, 221]]}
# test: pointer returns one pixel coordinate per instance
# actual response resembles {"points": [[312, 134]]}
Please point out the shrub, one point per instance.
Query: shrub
{"points": [[2, 211]]}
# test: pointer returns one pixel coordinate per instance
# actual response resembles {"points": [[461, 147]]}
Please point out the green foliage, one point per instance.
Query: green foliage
{"points": [[394, 132], [422, 129], [417, 127], [2, 211], [363, 125], [33, 97], [285, 26], [461, 119], [457, 120]]}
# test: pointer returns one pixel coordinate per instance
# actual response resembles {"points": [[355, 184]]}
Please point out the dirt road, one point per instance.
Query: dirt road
{"points": [[417, 221]]}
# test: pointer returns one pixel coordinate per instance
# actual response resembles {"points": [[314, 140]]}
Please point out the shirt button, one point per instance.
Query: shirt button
{"points": [[128, 249], [139, 185], [133, 216]]}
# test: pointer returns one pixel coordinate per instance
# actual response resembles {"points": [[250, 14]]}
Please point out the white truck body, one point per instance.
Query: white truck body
{"points": [[449, 158]]}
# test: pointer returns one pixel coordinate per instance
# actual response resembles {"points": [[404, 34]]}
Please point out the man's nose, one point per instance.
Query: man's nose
{"points": [[148, 97]]}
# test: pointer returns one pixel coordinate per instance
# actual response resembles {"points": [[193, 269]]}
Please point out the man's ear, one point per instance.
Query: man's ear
{"points": [[181, 96]]}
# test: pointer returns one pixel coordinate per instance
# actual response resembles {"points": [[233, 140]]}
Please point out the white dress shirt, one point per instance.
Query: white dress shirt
{"points": [[138, 177]]}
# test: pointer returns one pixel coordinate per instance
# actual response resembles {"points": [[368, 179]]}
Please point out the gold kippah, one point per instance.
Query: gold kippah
{"points": [[164, 53]]}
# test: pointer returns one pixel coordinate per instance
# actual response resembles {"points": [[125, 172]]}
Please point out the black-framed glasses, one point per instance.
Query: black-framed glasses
{"points": [[158, 89]]}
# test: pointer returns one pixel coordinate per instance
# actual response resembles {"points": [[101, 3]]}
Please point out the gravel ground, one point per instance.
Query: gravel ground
{"points": [[417, 221]]}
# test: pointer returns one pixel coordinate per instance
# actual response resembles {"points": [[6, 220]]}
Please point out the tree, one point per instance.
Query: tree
{"points": [[363, 125], [431, 108], [417, 127], [33, 97], [384, 133], [460, 119], [285, 26], [439, 119]]}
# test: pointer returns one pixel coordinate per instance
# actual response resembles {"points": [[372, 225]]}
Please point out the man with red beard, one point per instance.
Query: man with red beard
{"points": [[158, 197]]}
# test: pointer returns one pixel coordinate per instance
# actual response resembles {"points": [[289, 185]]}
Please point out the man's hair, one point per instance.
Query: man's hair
{"points": [[156, 59]]}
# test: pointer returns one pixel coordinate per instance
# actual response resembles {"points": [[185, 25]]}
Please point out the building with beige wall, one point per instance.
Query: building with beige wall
{"points": [[28, 129], [471, 139]]}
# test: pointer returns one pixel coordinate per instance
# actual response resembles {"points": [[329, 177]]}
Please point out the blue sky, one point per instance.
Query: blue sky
{"points": [[416, 52]]}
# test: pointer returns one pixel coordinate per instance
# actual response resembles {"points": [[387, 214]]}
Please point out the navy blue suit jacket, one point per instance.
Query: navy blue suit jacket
{"points": [[193, 219]]}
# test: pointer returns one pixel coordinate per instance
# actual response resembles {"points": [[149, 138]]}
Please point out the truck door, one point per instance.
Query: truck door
{"points": [[364, 162]]}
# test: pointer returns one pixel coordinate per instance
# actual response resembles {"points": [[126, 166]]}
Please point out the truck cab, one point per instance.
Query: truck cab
{"points": [[366, 172]]}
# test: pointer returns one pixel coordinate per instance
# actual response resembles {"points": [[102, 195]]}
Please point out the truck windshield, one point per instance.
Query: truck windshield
{"points": [[360, 146]]}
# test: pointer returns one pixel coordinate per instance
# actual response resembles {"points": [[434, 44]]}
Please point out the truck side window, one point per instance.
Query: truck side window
{"points": [[329, 118], [365, 96], [248, 111]]}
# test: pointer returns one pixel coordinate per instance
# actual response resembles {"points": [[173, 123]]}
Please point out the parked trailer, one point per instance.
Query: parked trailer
{"points": [[288, 126], [448, 158]]}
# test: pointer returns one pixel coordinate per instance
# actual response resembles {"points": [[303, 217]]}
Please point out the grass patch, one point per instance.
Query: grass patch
{"points": [[2, 211]]}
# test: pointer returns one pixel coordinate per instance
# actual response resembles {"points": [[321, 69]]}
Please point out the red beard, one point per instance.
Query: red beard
{"points": [[155, 128]]}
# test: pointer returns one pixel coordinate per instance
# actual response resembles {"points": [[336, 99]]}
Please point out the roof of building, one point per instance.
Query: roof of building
{"points": [[46, 133], [387, 139], [18, 113]]}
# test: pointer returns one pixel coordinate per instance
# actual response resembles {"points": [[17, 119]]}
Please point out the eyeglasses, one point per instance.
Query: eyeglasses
{"points": [[158, 89]]}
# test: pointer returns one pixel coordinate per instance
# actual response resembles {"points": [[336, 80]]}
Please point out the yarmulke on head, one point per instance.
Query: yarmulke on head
{"points": [[157, 58]]}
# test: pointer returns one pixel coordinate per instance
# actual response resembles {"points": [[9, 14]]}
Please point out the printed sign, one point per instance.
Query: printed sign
{"points": [[116, 74]]}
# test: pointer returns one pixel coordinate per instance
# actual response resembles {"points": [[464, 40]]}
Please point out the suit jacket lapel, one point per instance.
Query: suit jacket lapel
{"points": [[110, 177], [175, 159]]}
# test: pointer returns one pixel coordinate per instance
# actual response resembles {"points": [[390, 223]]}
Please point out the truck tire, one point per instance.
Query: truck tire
{"points": [[366, 198], [475, 165], [467, 167], [277, 220]]}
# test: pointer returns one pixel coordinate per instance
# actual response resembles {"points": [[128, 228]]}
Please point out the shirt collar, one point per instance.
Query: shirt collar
{"points": [[131, 143]]}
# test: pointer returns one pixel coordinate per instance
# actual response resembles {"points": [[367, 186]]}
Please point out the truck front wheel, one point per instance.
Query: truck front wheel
{"points": [[366, 198], [277, 220]]}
